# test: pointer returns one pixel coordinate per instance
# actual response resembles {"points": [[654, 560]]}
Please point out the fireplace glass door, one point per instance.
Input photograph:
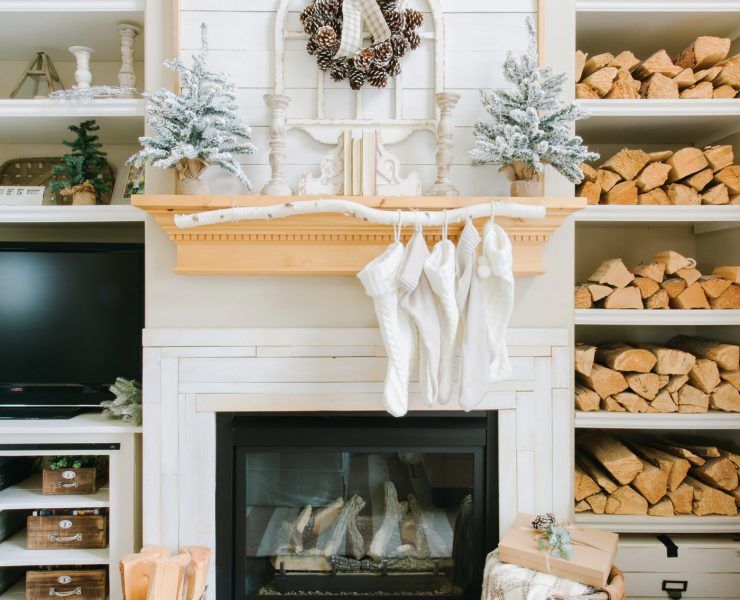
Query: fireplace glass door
{"points": [[333, 507]]}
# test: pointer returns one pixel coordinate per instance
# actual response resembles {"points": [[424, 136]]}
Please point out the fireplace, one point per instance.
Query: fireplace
{"points": [[330, 505]]}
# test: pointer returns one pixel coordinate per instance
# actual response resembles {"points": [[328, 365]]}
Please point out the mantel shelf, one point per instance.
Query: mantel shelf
{"points": [[326, 244]]}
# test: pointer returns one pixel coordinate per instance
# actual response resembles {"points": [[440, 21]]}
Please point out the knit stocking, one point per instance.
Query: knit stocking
{"points": [[440, 271], [380, 280]]}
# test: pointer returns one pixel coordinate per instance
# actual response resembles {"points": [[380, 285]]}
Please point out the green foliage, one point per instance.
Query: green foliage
{"points": [[74, 462], [127, 405], [86, 162]]}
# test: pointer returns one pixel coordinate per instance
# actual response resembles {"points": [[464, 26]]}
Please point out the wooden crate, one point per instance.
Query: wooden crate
{"points": [[69, 481], [66, 531], [87, 584]]}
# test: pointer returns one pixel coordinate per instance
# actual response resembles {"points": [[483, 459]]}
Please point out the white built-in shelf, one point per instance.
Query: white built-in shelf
{"points": [[122, 213], [57, 6], [13, 553], [45, 121], [698, 122], [17, 592], [677, 317], [27, 495], [618, 420], [649, 524], [658, 214], [81, 425]]}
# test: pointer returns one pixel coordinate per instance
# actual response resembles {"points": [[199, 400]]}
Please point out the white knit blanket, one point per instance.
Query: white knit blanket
{"points": [[503, 581]]}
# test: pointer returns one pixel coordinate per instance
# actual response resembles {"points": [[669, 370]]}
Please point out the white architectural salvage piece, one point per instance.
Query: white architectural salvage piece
{"points": [[388, 178], [404, 218], [82, 55], [127, 75], [278, 104], [331, 174], [446, 101]]}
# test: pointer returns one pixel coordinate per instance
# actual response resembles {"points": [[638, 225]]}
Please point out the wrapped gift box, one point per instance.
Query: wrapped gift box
{"points": [[593, 552]]}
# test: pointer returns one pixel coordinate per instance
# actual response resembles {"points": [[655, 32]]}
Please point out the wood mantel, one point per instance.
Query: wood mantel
{"points": [[327, 244]]}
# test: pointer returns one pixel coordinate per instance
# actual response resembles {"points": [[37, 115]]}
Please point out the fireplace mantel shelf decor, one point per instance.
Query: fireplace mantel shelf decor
{"points": [[327, 244]]}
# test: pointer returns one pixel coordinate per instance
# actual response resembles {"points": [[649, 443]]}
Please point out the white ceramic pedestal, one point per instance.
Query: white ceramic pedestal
{"points": [[127, 75], [82, 55]]}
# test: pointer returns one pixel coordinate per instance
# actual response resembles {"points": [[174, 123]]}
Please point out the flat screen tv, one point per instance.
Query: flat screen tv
{"points": [[71, 316]]}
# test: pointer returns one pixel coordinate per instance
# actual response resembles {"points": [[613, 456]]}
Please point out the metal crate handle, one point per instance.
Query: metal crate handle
{"points": [[75, 592], [53, 537]]}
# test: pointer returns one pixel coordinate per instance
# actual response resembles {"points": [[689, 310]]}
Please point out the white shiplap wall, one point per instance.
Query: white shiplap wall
{"points": [[478, 32]]}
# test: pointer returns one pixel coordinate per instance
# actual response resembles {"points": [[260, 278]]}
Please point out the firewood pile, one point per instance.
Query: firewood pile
{"points": [[657, 477], [153, 574], [686, 375], [701, 71], [689, 176], [669, 280]]}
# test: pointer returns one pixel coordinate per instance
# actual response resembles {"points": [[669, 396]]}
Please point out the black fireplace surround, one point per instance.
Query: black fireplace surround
{"points": [[355, 505]]}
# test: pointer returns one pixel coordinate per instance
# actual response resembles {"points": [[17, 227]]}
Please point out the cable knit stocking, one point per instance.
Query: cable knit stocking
{"points": [[440, 271], [475, 357], [498, 282], [380, 280], [417, 302]]}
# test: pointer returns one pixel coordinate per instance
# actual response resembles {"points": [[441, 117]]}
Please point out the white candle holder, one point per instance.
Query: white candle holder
{"points": [[82, 55], [278, 105], [446, 101], [127, 75]]}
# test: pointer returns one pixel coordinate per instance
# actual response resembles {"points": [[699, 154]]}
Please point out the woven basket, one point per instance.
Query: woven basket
{"points": [[37, 171]]}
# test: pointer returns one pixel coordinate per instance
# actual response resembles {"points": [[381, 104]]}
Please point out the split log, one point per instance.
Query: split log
{"points": [[584, 358], [624, 90], [670, 361], [662, 508], [644, 384], [651, 482], [582, 297], [660, 155], [675, 382], [584, 485], [731, 377], [582, 506], [725, 397], [704, 451], [591, 191], [653, 198], [658, 63], [651, 270], [676, 468], [589, 173], [609, 404], [658, 300], [731, 456], [624, 298], [692, 297], [580, 64], [349, 512], [168, 578], [426, 535], [682, 499], [394, 512], [626, 501], [624, 192], [727, 356], [691, 400], [622, 357], [719, 157], [729, 299], [701, 91], [595, 63], [355, 541], [614, 456], [597, 502], [624, 60], [716, 194], [707, 74], [730, 176], [586, 92], [664, 403], [700, 179], [298, 528], [627, 163], [704, 375], [673, 261], [586, 399], [659, 87], [717, 472], [612, 272], [689, 274], [606, 179], [729, 75], [601, 80], [326, 516], [598, 291], [685, 162], [197, 573], [632, 402], [694, 459], [596, 472], [136, 571], [682, 195], [685, 79], [647, 286], [604, 381], [674, 286], [652, 176], [724, 92], [713, 286], [731, 273], [704, 51], [711, 501]]}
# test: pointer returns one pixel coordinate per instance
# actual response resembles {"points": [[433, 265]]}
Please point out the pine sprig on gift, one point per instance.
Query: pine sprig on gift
{"points": [[86, 162], [202, 121], [127, 403], [530, 123]]}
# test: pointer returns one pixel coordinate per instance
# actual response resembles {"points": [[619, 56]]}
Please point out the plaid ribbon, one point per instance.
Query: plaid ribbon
{"points": [[353, 13]]}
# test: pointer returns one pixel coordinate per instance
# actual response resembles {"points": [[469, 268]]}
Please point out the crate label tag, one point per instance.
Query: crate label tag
{"points": [[64, 579], [65, 523], [68, 474]]}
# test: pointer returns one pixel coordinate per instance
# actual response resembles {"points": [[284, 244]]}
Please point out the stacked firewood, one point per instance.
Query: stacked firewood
{"points": [[701, 71], [669, 280], [639, 476], [153, 574], [689, 176], [686, 375]]}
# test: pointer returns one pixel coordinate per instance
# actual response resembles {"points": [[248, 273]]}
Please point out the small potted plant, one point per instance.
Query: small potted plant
{"points": [[71, 474], [530, 127], [83, 171]]}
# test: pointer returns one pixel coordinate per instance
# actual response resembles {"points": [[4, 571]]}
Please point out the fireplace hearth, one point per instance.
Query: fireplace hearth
{"points": [[368, 506]]}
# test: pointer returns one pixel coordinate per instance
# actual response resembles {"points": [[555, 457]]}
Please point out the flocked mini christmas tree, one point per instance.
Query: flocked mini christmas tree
{"points": [[127, 404], [82, 172], [196, 128], [531, 125]]}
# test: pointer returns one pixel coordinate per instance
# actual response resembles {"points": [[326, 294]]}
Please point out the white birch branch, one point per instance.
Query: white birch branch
{"points": [[425, 218]]}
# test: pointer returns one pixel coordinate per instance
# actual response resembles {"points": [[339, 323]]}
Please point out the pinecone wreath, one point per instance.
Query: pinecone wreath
{"points": [[375, 64]]}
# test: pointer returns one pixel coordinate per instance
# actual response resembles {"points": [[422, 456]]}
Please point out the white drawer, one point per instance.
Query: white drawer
{"points": [[698, 585], [696, 554]]}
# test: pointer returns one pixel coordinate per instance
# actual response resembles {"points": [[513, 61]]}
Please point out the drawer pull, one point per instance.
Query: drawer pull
{"points": [[75, 592], [53, 537], [74, 484], [674, 588]]}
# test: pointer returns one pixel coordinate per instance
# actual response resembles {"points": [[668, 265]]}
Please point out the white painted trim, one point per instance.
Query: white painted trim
{"points": [[53, 6], [603, 316], [648, 524], [613, 420], [101, 107], [657, 6], [71, 214], [658, 214], [660, 108]]}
